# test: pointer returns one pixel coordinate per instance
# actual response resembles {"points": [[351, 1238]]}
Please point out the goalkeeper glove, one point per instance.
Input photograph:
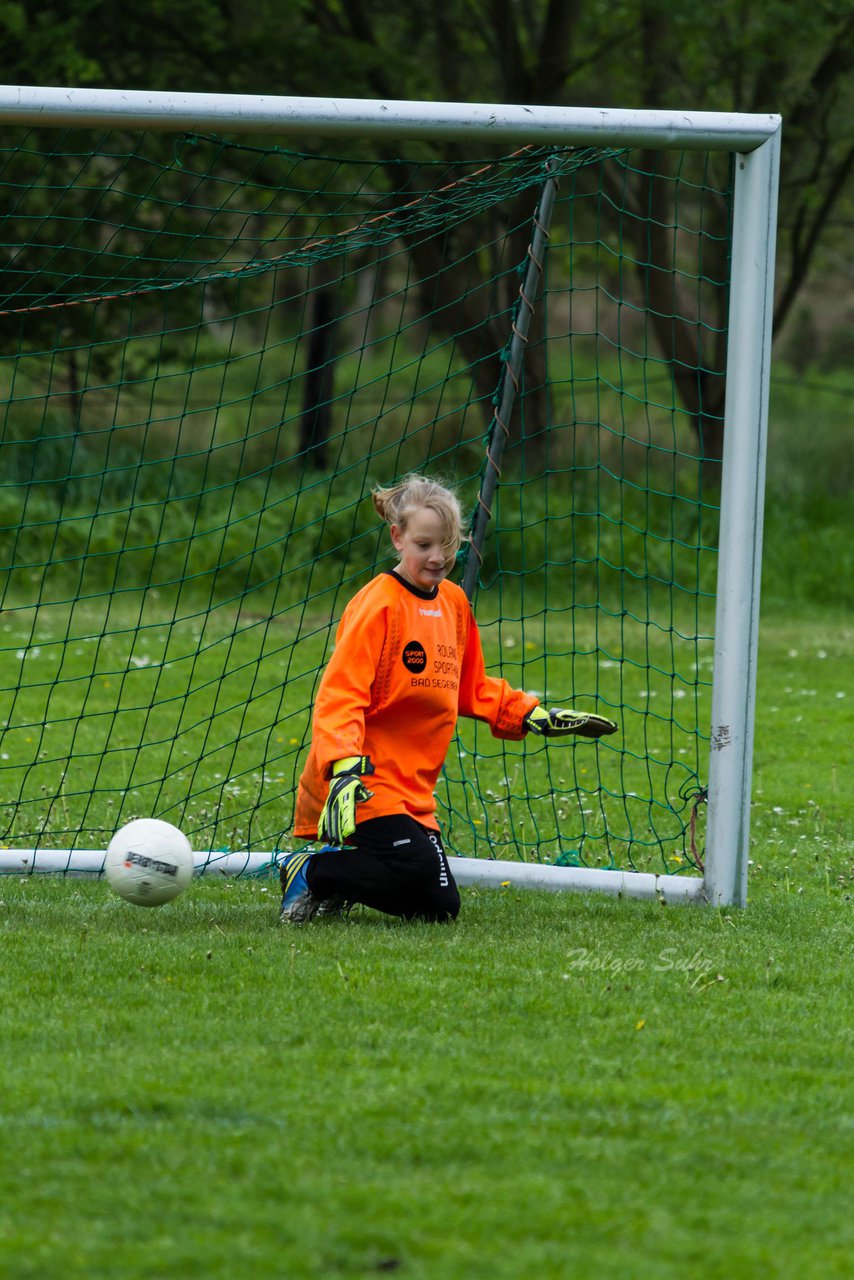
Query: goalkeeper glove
{"points": [[346, 790], [558, 722]]}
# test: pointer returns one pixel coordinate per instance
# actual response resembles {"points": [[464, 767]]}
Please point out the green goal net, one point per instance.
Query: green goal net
{"points": [[214, 348]]}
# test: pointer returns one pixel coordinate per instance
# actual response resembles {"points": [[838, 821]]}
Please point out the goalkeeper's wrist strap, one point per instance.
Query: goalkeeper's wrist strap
{"points": [[351, 766]]}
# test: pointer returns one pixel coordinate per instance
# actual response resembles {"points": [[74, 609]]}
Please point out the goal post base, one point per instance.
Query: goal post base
{"points": [[485, 873], [468, 872]]}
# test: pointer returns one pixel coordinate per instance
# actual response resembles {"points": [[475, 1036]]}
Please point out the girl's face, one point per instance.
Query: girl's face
{"points": [[422, 547]]}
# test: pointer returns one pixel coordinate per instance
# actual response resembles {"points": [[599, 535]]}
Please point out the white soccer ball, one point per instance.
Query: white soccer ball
{"points": [[149, 862]]}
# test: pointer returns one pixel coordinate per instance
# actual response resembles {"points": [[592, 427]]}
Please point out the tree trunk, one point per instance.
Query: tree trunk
{"points": [[319, 377]]}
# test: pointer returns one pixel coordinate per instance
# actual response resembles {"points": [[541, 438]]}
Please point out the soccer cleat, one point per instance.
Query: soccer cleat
{"points": [[299, 904], [338, 904]]}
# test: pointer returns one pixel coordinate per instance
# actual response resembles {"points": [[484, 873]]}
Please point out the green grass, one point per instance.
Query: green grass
{"points": [[556, 1086]]}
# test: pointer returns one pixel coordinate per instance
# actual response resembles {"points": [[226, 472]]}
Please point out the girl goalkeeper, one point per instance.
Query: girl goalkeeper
{"points": [[407, 662]]}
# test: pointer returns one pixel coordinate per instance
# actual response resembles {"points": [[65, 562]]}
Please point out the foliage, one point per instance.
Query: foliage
{"points": [[791, 58]]}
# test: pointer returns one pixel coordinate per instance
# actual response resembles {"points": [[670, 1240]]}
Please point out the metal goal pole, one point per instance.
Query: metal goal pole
{"points": [[740, 543]]}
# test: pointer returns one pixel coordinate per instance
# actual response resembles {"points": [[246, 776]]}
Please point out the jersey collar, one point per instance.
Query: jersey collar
{"points": [[416, 591]]}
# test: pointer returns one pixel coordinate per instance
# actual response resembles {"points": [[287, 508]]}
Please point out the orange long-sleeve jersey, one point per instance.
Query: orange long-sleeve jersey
{"points": [[406, 664]]}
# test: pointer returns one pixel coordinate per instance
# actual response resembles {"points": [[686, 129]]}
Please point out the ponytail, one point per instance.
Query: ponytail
{"points": [[395, 505]]}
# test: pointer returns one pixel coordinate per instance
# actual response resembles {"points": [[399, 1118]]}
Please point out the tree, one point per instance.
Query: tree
{"points": [[791, 58], [786, 56]]}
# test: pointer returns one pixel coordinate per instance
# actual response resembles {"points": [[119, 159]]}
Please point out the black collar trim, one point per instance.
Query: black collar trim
{"points": [[416, 591]]}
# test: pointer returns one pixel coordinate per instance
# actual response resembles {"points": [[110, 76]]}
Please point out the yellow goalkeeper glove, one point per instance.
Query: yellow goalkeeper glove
{"points": [[346, 790], [558, 722]]}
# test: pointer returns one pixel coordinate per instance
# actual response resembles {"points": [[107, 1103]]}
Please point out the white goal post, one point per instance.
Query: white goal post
{"points": [[754, 140]]}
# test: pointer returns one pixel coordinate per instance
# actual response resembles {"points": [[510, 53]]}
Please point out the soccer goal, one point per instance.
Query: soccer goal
{"points": [[226, 319]]}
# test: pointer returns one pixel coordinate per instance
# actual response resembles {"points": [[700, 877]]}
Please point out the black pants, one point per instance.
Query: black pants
{"points": [[392, 864]]}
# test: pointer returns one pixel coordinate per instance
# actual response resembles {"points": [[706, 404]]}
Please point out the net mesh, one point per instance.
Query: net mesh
{"points": [[213, 350]]}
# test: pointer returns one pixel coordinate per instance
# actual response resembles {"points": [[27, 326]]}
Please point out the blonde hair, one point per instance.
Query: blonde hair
{"points": [[413, 493]]}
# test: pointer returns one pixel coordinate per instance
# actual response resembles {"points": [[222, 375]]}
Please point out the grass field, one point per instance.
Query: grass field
{"points": [[557, 1086]]}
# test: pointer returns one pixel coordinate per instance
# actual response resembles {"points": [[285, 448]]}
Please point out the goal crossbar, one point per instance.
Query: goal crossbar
{"points": [[353, 117]]}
